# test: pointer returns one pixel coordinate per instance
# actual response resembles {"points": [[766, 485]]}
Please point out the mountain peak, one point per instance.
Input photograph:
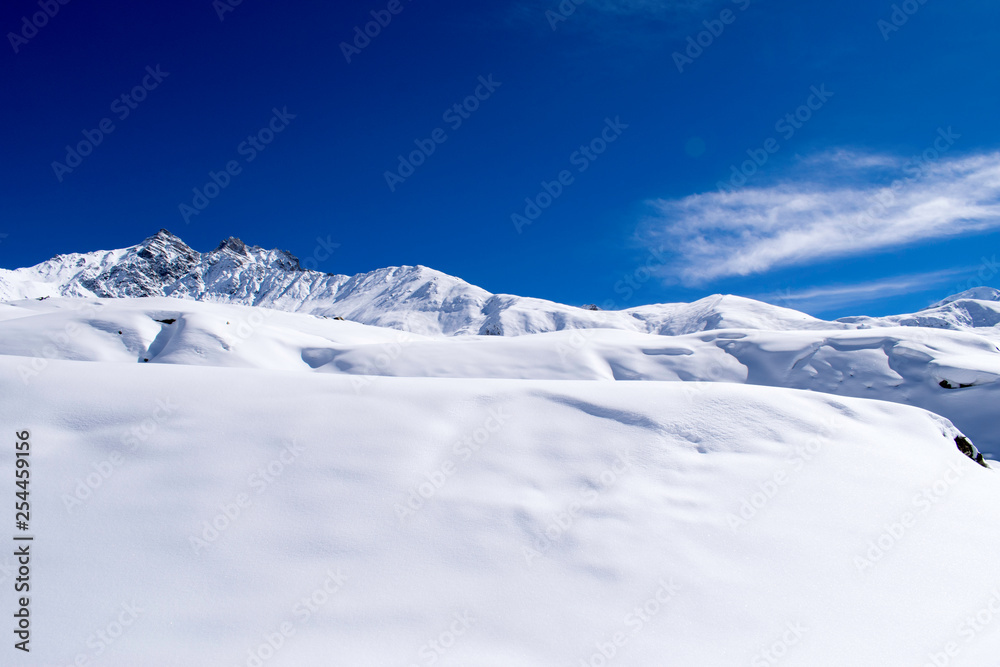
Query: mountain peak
{"points": [[416, 298], [167, 248], [976, 293], [163, 236], [234, 244]]}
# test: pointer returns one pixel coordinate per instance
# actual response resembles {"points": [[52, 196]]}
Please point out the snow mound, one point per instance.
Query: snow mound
{"points": [[493, 522], [952, 373]]}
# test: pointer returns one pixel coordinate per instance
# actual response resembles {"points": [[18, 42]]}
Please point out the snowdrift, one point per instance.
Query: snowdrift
{"points": [[951, 373], [198, 515]]}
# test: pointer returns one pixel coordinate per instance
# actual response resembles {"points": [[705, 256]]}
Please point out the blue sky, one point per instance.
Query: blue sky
{"points": [[839, 158]]}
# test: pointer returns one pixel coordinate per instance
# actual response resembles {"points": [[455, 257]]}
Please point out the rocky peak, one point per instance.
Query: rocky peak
{"points": [[233, 244], [165, 247]]}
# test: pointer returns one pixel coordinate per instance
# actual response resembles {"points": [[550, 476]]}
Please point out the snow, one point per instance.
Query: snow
{"points": [[901, 364], [418, 298], [655, 475], [976, 293], [225, 474]]}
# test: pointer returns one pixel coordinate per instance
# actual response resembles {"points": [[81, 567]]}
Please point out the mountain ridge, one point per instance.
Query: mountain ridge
{"points": [[416, 298]]}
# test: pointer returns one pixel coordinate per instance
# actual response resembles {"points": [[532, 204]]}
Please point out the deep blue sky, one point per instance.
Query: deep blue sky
{"points": [[789, 234]]}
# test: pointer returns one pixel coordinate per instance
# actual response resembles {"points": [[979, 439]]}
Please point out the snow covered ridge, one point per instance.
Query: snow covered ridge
{"points": [[222, 483], [955, 374], [427, 301], [586, 519]]}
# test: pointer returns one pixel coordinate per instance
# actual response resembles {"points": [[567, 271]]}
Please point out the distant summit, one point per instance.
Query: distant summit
{"points": [[416, 298], [976, 293]]}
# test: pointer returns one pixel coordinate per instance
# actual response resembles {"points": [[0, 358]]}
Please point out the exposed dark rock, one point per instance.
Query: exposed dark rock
{"points": [[491, 329], [966, 447], [234, 244], [948, 385]]}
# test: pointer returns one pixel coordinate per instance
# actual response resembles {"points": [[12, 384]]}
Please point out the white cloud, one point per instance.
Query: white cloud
{"points": [[830, 297], [751, 231]]}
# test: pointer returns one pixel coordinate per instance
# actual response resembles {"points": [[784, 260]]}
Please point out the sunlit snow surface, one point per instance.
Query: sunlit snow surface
{"points": [[485, 501], [902, 364]]}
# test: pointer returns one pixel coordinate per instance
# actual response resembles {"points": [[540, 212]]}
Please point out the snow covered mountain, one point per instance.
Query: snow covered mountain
{"points": [[417, 298], [953, 373], [718, 483], [430, 302]]}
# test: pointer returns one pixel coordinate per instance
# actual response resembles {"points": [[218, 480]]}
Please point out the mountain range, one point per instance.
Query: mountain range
{"points": [[725, 482], [417, 298]]}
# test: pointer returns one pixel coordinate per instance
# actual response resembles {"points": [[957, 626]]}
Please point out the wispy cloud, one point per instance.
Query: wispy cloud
{"points": [[832, 297], [831, 211]]}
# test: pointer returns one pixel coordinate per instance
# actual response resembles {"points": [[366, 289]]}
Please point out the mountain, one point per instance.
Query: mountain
{"points": [[418, 298], [428, 301], [975, 309], [955, 374], [716, 483]]}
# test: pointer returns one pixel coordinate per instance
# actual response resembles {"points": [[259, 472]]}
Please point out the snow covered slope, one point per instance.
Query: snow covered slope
{"points": [[953, 373], [430, 302], [427, 301], [976, 310], [218, 516], [224, 472]]}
